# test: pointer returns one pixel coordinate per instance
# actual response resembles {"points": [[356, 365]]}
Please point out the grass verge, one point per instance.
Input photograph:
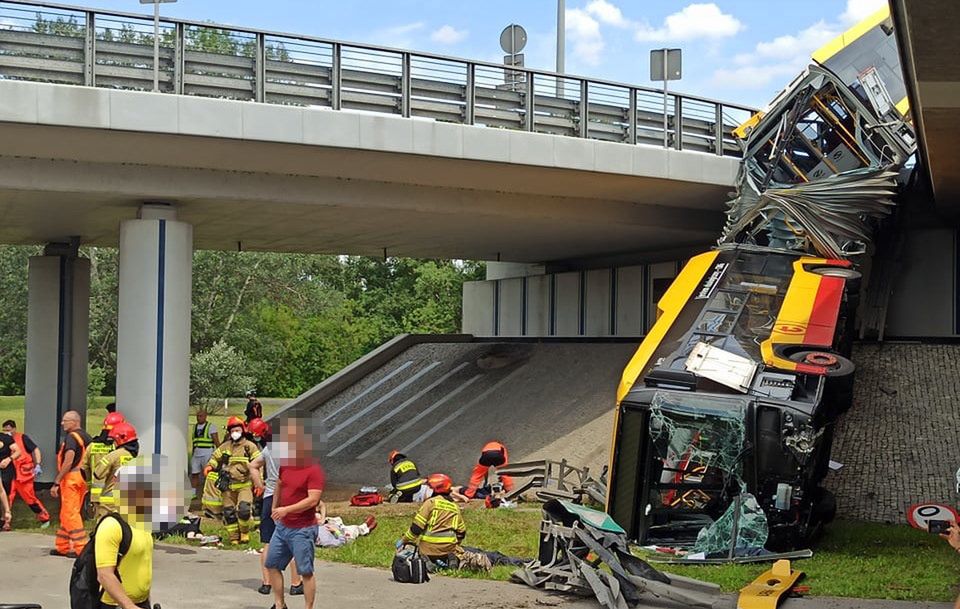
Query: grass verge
{"points": [[854, 559]]}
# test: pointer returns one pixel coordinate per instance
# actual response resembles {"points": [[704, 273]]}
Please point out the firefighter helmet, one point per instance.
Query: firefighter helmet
{"points": [[394, 455], [236, 422], [440, 483], [112, 419], [259, 428], [122, 433]]}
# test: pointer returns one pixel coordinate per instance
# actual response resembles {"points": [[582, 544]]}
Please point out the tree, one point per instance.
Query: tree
{"points": [[217, 373]]}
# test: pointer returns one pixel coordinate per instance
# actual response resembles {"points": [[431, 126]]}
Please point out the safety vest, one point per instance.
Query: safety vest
{"points": [[24, 464], [83, 449], [443, 525], [406, 476], [114, 460], [239, 455], [95, 452], [201, 437]]}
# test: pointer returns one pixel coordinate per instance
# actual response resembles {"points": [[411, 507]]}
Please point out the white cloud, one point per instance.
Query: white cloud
{"points": [[776, 61], [607, 13], [693, 22], [399, 35], [448, 34], [858, 10], [584, 32]]}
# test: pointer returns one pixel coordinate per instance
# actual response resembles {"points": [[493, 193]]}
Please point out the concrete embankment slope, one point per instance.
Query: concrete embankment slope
{"points": [[440, 402]]}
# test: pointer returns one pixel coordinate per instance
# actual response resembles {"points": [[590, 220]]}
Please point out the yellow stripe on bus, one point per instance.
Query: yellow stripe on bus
{"points": [[836, 45], [668, 309]]}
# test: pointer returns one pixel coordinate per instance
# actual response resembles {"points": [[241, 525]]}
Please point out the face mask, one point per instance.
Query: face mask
{"points": [[236, 435]]}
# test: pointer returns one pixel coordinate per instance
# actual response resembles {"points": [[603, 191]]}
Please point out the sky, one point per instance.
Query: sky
{"points": [[740, 51]]}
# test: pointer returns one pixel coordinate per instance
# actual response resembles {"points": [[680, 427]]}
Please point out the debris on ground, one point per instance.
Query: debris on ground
{"points": [[584, 552], [548, 479], [765, 591]]}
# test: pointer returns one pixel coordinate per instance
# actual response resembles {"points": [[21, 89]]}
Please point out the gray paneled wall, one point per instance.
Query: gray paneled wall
{"points": [[598, 302]]}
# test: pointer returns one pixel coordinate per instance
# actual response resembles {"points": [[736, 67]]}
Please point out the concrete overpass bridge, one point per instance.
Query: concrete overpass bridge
{"points": [[290, 143]]}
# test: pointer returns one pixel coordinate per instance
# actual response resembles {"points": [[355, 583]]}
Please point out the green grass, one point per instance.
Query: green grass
{"points": [[861, 560]]}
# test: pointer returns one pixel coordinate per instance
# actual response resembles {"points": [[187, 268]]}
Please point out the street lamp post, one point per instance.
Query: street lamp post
{"points": [[156, 40], [561, 43]]}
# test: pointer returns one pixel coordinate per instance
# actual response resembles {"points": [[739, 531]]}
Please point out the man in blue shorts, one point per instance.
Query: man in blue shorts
{"points": [[295, 500]]}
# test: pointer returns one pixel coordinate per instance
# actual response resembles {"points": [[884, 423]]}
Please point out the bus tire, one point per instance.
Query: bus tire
{"points": [[842, 366]]}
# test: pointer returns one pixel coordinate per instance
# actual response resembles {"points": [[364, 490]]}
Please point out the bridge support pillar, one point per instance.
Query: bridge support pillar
{"points": [[153, 331], [58, 313]]}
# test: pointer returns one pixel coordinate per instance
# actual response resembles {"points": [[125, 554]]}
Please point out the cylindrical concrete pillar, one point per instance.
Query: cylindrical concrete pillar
{"points": [[58, 313], [153, 333]]}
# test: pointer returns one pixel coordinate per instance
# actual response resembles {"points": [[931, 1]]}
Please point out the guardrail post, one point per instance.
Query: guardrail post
{"points": [[179, 57], [336, 72], [584, 118], [470, 97], [260, 70], [718, 130], [529, 102], [632, 118], [677, 122], [90, 50], [405, 108]]}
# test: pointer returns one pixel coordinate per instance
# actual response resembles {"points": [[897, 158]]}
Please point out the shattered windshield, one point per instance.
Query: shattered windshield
{"points": [[697, 443]]}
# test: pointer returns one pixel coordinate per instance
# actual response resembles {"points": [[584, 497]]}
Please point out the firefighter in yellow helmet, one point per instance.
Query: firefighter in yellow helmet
{"points": [[127, 447], [234, 460]]}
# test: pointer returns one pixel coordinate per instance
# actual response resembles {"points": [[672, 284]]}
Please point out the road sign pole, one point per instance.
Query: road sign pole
{"points": [[156, 46], [665, 81], [561, 44]]}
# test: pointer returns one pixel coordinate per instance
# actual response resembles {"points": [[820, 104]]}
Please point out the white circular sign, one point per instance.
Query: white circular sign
{"points": [[920, 514]]}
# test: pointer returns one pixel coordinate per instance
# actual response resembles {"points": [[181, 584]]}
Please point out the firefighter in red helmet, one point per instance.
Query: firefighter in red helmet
{"points": [[234, 458]]}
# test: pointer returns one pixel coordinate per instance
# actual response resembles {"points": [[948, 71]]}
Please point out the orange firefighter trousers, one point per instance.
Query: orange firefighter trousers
{"points": [[71, 537], [26, 491]]}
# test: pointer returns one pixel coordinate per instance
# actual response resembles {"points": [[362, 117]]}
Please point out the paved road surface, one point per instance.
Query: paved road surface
{"points": [[190, 578]]}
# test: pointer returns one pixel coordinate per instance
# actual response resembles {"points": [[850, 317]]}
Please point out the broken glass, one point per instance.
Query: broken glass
{"points": [[743, 515], [691, 432]]}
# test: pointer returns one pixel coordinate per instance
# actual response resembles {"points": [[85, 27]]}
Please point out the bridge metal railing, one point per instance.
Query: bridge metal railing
{"points": [[41, 41]]}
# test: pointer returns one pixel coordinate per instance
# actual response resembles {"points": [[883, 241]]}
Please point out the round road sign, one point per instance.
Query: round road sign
{"points": [[920, 514], [513, 38]]}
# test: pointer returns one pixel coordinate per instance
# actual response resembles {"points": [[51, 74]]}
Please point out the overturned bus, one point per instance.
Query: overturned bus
{"points": [[725, 413], [739, 382]]}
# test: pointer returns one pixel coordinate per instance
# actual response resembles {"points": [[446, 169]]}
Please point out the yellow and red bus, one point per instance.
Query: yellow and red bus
{"points": [[734, 391]]}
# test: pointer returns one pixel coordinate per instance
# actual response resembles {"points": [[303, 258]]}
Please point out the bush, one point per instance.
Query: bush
{"points": [[96, 381], [217, 373]]}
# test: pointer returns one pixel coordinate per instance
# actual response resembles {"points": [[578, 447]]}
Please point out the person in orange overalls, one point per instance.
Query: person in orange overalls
{"points": [[27, 468], [70, 486], [493, 455]]}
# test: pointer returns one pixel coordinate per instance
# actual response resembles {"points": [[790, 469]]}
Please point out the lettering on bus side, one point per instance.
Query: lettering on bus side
{"points": [[712, 281]]}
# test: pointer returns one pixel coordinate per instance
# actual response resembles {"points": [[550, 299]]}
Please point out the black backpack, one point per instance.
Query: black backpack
{"points": [[85, 590], [409, 567]]}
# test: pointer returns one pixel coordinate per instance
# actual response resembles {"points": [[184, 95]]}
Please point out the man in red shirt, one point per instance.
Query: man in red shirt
{"points": [[295, 500]]}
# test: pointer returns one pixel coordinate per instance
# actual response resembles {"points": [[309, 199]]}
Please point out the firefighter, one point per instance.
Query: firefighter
{"points": [[100, 447], [236, 456], [70, 486], [127, 447], [27, 469], [493, 455], [254, 409], [404, 477], [438, 528]]}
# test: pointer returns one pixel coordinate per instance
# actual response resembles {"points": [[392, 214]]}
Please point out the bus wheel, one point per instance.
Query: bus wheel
{"points": [[836, 365], [842, 272]]}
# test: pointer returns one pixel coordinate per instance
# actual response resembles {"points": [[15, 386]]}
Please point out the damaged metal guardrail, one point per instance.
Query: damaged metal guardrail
{"points": [[555, 480]]}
